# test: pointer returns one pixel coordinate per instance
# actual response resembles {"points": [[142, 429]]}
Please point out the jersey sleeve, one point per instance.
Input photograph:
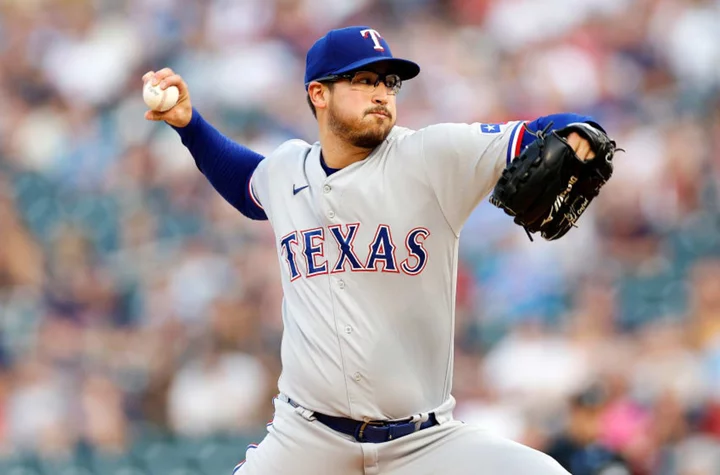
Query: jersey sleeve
{"points": [[281, 165], [464, 162], [256, 186]]}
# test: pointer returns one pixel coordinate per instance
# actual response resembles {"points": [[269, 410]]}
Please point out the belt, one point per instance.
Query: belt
{"points": [[374, 432]]}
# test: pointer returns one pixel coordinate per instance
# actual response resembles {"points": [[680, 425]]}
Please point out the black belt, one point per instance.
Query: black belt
{"points": [[373, 432]]}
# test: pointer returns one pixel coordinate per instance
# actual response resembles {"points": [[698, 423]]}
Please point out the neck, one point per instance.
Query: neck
{"points": [[338, 153]]}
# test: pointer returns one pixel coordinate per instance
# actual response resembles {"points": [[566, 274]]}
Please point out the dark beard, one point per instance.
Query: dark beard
{"points": [[359, 137]]}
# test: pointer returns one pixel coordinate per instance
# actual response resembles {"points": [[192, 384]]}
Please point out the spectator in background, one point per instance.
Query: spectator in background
{"points": [[21, 259], [203, 398], [578, 448]]}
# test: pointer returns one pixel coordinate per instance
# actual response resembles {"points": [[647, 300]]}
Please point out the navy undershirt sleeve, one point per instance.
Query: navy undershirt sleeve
{"points": [[558, 122], [227, 165]]}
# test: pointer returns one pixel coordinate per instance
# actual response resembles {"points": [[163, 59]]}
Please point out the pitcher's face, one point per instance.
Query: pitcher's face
{"points": [[362, 110]]}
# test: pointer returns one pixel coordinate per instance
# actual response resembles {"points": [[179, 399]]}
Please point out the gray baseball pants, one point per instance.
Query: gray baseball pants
{"points": [[299, 445]]}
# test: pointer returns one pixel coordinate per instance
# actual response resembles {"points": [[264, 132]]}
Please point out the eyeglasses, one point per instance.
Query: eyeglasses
{"points": [[367, 81]]}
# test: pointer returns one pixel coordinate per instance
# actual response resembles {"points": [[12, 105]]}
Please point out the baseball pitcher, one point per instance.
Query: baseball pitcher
{"points": [[367, 221]]}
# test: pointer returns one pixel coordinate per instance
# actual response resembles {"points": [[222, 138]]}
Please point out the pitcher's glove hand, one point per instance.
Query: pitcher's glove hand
{"points": [[547, 187]]}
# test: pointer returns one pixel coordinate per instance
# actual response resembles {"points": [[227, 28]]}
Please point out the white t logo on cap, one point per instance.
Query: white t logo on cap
{"points": [[375, 36]]}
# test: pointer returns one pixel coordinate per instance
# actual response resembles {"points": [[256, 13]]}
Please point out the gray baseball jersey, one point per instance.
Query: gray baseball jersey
{"points": [[368, 258]]}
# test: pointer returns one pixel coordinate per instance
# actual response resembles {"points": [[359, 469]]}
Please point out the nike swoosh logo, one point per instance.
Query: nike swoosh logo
{"points": [[298, 190]]}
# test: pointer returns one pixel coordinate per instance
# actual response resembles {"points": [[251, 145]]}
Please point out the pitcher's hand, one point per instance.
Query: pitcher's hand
{"points": [[181, 113]]}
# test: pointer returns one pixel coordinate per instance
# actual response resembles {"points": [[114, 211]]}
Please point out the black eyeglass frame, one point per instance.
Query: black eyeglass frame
{"points": [[382, 78]]}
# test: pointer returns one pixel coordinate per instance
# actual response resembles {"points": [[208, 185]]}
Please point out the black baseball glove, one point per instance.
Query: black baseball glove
{"points": [[547, 187]]}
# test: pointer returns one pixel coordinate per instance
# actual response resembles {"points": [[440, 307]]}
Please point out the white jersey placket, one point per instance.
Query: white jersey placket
{"points": [[329, 201]]}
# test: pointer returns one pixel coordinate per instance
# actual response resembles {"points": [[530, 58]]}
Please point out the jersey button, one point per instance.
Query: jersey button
{"points": [[357, 376], [341, 284], [348, 329], [327, 188], [331, 214]]}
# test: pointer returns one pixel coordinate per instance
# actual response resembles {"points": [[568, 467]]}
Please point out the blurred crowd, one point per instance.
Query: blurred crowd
{"points": [[140, 312]]}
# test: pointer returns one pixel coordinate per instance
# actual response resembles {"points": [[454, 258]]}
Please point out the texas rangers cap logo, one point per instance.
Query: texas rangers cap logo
{"points": [[370, 33]]}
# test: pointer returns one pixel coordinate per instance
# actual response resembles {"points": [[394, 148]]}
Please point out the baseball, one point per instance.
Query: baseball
{"points": [[158, 99]]}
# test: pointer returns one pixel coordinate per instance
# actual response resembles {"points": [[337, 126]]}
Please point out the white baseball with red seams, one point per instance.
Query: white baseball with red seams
{"points": [[160, 100]]}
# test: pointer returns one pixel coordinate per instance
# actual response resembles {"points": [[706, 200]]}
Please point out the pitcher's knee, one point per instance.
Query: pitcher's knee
{"points": [[485, 453], [517, 459]]}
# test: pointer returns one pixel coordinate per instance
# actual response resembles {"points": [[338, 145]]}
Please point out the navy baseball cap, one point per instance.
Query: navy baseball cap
{"points": [[353, 48]]}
